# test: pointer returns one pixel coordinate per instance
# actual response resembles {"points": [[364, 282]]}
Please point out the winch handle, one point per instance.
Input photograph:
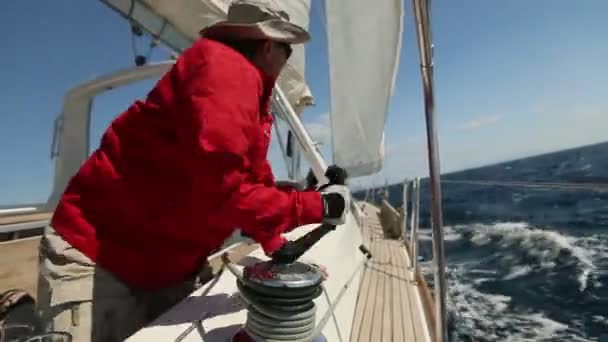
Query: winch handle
{"points": [[293, 250], [231, 267]]}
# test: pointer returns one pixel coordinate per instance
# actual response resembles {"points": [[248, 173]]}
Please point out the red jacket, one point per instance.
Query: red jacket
{"points": [[176, 174]]}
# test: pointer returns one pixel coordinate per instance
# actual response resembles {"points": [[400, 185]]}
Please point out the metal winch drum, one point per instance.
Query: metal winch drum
{"points": [[280, 292], [280, 301]]}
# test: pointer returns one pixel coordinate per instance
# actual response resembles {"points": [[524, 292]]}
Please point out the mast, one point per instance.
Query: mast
{"points": [[423, 29]]}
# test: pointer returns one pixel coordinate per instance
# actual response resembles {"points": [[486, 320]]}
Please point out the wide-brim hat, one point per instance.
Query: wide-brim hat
{"points": [[256, 20]]}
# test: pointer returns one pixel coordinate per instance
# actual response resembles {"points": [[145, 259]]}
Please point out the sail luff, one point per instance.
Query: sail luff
{"points": [[364, 48]]}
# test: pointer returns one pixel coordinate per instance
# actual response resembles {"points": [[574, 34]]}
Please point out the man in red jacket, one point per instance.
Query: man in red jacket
{"points": [[173, 177]]}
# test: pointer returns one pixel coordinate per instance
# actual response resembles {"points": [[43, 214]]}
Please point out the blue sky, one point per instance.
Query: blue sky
{"points": [[513, 78]]}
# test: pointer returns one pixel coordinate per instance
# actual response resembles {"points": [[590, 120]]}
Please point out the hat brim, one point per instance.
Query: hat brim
{"points": [[276, 30]]}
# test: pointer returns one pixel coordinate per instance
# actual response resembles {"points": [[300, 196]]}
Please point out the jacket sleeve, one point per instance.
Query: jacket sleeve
{"points": [[218, 113]]}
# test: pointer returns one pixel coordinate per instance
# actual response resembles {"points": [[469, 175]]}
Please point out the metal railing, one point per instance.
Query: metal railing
{"points": [[406, 183], [414, 219], [421, 9], [411, 189], [21, 226]]}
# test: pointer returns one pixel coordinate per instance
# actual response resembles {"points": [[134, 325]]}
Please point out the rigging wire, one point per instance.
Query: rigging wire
{"points": [[137, 32], [599, 187]]}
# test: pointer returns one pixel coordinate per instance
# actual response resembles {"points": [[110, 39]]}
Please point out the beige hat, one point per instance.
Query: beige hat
{"points": [[257, 19]]}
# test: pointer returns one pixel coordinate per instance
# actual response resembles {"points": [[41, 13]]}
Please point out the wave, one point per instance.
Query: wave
{"points": [[509, 281], [547, 245], [480, 316], [538, 249]]}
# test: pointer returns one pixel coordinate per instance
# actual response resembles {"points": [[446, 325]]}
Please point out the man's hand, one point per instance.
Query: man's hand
{"points": [[336, 198], [334, 173], [336, 204]]}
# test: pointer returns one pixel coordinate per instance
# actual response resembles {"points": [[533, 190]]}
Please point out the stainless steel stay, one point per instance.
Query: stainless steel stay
{"points": [[405, 216], [596, 187], [423, 30], [414, 219]]}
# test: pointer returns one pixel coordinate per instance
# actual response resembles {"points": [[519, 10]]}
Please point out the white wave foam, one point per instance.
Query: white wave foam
{"points": [[492, 272], [452, 237], [450, 233], [600, 319], [488, 317], [517, 272], [479, 281], [544, 244], [547, 327]]}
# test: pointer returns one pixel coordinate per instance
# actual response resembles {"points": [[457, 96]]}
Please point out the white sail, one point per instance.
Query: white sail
{"points": [[364, 43], [177, 23]]}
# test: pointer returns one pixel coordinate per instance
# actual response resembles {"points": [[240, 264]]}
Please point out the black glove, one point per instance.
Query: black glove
{"points": [[333, 205], [311, 180], [334, 173], [336, 203]]}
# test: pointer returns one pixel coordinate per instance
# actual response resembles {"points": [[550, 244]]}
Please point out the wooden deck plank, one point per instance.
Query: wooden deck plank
{"points": [[398, 314], [428, 304], [387, 318], [414, 301], [414, 305], [360, 306], [408, 327], [368, 309], [364, 290], [387, 308], [379, 293]]}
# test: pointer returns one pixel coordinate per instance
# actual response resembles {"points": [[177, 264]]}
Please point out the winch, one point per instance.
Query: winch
{"points": [[280, 292], [280, 302]]}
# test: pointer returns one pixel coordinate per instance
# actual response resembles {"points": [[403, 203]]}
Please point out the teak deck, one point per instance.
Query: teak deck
{"points": [[390, 305]]}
